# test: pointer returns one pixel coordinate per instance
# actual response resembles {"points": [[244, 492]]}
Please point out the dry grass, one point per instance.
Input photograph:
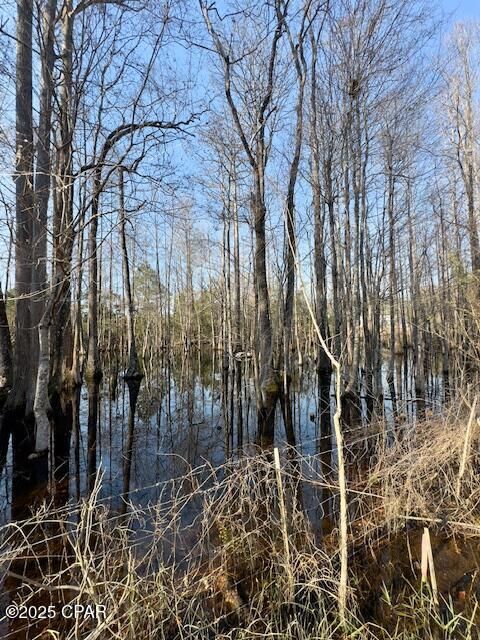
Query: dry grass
{"points": [[208, 560], [416, 476]]}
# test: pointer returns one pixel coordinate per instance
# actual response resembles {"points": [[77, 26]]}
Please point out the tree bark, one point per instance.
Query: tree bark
{"points": [[41, 314], [93, 370], [268, 387], [41, 405], [42, 175], [237, 323], [61, 329], [6, 372], [133, 370], [393, 273], [20, 399]]}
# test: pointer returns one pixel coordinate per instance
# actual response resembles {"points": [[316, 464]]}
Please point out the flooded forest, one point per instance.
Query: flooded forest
{"points": [[239, 319]]}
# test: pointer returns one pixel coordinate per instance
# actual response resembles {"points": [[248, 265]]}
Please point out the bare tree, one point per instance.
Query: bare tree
{"points": [[254, 142], [24, 373]]}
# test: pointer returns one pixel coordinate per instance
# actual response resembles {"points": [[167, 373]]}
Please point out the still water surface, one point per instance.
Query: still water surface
{"points": [[181, 421]]}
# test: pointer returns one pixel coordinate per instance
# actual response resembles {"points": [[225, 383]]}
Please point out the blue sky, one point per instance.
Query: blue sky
{"points": [[462, 8]]}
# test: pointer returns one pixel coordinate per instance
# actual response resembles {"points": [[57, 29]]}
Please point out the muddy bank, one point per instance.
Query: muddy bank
{"points": [[389, 587]]}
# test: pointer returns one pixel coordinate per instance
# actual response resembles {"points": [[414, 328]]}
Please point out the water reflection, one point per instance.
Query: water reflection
{"points": [[92, 423], [62, 432], [133, 391], [187, 412], [4, 440]]}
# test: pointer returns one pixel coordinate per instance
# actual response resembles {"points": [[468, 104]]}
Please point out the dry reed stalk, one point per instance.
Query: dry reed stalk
{"points": [[424, 562], [416, 477], [342, 483], [283, 518], [147, 587], [427, 562], [466, 446]]}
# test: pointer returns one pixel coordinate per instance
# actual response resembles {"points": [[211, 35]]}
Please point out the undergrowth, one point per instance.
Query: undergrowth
{"points": [[208, 559]]}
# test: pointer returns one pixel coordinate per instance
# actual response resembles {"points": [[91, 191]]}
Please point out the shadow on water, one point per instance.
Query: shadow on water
{"points": [[4, 442], [92, 433], [133, 391], [325, 451], [62, 431]]}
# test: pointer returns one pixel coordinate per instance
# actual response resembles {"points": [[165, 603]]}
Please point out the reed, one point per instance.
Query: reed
{"points": [[209, 558]]}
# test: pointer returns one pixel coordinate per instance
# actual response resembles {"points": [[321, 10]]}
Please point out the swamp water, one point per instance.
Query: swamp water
{"points": [[143, 441], [181, 421]]}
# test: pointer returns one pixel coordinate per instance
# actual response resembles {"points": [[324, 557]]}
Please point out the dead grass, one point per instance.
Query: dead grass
{"points": [[416, 476], [208, 559]]}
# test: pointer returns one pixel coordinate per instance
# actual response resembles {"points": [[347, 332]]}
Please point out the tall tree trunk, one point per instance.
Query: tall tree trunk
{"points": [[290, 233], [93, 370], [43, 172], [226, 333], [24, 368], [61, 330], [44, 304], [133, 370], [257, 154], [417, 313], [358, 187], [393, 273], [5, 351], [324, 367], [468, 173], [237, 323], [268, 378]]}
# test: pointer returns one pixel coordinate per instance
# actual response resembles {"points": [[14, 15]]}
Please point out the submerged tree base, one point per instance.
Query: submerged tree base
{"points": [[93, 376], [133, 374]]}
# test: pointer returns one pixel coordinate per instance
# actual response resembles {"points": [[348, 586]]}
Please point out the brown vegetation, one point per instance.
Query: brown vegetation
{"points": [[209, 559]]}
